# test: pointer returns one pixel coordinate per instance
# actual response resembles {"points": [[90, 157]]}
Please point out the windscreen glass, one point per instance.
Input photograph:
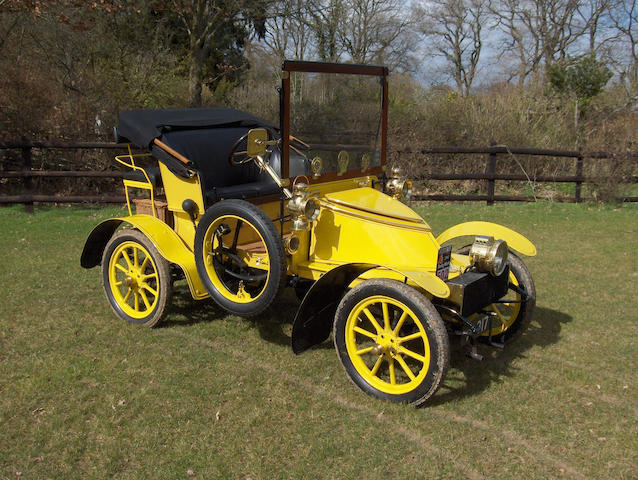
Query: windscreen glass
{"points": [[335, 120]]}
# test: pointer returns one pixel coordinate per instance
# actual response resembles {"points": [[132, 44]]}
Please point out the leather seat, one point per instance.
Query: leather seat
{"points": [[243, 191], [153, 175], [208, 149]]}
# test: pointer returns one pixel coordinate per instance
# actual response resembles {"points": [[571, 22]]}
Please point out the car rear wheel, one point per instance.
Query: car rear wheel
{"points": [[391, 341], [240, 257], [136, 278]]}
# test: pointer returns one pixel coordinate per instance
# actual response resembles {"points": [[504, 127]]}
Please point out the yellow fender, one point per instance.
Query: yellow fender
{"points": [[167, 242], [514, 240], [423, 279], [315, 316]]}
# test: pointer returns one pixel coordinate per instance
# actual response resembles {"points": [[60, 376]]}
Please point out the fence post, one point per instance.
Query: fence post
{"points": [[579, 174], [491, 170], [28, 180]]}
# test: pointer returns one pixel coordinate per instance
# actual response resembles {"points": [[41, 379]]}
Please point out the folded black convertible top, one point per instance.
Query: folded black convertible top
{"points": [[142, 127], [204, 136]]}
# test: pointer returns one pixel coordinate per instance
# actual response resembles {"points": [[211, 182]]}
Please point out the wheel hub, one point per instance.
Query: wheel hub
{"points": [[387, 342], [133, 279]]}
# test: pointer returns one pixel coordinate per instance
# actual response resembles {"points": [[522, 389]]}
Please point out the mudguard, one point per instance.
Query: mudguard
{"points": [[514, 240], [167, 242], [315, 316]]}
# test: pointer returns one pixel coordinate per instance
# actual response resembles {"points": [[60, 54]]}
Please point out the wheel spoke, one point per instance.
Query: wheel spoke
{"points": [[405, 367], [136, 298], [386, 316], [126, 257], [373, 320], [412, 354], [121, 268], [144, 263], [404, 315], [498, 313], [363, 351], [148, 288], [377, 364], [393, 377], [410, 337], [150, 275], [128, 294], [136, 256], [145, 300], [363, 331]]}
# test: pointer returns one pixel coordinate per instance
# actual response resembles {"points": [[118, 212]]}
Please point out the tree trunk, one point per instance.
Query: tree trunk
{"points": [[195, 78]]}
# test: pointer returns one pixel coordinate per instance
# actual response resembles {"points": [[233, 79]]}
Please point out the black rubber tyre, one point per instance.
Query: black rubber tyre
{"points": [[382, 360], [220, 266], [136, 278], [526, 311], [524, 315]]}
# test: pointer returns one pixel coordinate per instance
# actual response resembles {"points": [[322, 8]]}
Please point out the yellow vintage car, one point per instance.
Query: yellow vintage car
{"points": [[243, 209]]}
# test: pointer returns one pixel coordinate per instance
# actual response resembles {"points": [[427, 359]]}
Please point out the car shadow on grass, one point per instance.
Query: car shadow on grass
{"points": [[467, 377], [185, 311], [274, 324]]}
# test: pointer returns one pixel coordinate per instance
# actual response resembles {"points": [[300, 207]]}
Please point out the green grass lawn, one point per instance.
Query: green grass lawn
{"points": [[85, 395]]}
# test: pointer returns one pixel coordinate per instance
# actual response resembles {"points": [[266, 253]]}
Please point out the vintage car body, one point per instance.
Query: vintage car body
{"points": [[243, 209]]}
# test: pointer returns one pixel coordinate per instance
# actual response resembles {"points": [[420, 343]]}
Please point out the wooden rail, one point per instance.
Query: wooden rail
{"points": [[491, 153], [491, 176], [29, 197]]}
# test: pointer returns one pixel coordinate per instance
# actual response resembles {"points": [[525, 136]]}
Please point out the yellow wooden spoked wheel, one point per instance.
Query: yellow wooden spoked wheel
{"points": [[239, 256], [391, 341], [136, 278], [512, 317]]}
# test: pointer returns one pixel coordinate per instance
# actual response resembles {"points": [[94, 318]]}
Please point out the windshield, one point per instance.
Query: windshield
{"points": [[336, 122]]}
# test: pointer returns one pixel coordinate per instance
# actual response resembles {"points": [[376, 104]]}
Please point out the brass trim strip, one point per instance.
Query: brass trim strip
{"points": [[369, 210], [416, 228]]}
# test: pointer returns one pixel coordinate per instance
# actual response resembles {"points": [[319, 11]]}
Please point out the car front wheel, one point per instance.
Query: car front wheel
{"points": [[514, 312], [391, 341]]}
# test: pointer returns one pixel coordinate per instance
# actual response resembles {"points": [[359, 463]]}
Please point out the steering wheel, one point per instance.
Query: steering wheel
{"points": [[236, 158]]}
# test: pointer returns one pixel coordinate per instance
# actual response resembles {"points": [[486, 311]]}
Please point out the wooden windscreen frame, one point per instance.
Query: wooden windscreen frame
{"points": [[320, 67]]}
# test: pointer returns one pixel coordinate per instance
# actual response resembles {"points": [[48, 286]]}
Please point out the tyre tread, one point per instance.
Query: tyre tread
{"points": [[163, 272]]}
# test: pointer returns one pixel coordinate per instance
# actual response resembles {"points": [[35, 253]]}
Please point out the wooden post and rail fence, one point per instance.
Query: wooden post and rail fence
{"points": [[27, 173]]}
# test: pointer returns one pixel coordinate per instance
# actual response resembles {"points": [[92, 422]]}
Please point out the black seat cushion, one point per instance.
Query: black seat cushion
{"points": [[243, 191], [153, 173]]}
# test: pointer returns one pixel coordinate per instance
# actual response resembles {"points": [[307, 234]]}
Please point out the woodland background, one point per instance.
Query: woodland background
{"points": [[530, 73]]}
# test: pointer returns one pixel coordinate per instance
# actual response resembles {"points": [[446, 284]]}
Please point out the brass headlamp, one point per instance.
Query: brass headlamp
{"points": [[397, 185], [303, 207], [489, 255]]}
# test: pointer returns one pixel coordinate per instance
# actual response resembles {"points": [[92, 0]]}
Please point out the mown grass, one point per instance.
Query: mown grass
{"points": [[84, 395]]}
